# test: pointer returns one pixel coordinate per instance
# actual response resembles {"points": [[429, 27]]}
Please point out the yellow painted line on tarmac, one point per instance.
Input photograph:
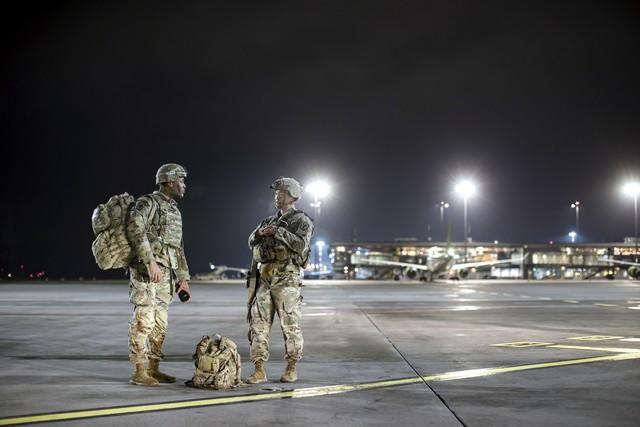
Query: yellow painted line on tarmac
{"points": [[607, 349], [303, 392], [473, 373], [595, 338]]}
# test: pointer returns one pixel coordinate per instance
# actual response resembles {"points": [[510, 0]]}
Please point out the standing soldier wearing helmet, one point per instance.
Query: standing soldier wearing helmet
{"points": [[154, 230], [280, 246]]}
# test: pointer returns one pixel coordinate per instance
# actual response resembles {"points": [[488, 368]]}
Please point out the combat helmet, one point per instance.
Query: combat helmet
{"points": [[170, 172], [290, 185]]}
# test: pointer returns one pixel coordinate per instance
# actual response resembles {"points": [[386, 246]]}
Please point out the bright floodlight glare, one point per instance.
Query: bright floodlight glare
{"points": [[572, 234], [631, 189], [320, 244], [465, 188], [319, 189]]}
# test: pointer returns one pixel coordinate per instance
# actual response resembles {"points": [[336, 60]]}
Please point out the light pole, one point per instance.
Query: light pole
{"points": [[572, 234], [319, 248], [576, 205], [443, 205], [319, 190], [465, 189], [632, 189]]}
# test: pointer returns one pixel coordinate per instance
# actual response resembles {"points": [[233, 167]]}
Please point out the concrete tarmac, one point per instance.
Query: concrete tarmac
{"points": [[471, 353]]}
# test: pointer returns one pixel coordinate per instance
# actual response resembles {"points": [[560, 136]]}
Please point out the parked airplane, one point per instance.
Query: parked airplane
{"points": [[221, 272], [443, 266], [633, 268], [436, 266]]}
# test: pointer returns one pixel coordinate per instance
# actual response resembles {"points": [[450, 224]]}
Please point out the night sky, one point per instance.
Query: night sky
{"points": [[391, 101]]}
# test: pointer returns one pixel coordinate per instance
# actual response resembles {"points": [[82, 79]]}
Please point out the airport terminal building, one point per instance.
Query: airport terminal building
{"points": [[373, 260]]}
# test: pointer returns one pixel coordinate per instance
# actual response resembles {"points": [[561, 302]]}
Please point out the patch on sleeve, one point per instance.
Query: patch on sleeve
{"points": [[304, 226]]}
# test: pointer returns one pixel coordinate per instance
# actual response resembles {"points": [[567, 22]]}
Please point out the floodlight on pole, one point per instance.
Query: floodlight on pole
{"points": [[319, 190], [632, 189], [443, 205], [465, 189], [576, 205], [573, 235]]}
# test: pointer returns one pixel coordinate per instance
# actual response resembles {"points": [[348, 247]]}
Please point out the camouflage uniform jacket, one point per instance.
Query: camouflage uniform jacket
{"points": [[160, 237], [289, 244]]}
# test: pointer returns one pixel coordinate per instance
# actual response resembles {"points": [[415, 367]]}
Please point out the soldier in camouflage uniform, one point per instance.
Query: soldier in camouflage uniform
{"points": [[154, 230], [281, 245]]}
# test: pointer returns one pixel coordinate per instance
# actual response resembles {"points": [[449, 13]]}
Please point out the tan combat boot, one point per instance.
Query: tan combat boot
{"points": [[259, 375], [155, 372], [140, 376], [290, 375]]}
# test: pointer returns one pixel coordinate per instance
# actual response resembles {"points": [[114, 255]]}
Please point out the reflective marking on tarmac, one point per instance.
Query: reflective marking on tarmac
{"points": [[301, 393], [607, 349], [595, 338], [605, 305], [571, 301], [631, 339]]}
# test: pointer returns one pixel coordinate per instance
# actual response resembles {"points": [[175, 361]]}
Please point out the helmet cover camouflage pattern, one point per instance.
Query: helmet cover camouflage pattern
{"points": [[290, 185], [170, 172]]}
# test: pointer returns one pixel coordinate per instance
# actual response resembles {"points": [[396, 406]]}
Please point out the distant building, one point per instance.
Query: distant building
{"points": [[362, 260]]}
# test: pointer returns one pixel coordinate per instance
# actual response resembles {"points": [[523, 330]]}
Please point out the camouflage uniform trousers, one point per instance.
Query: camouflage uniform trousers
{"points": [[279, 292], [148, 326]]}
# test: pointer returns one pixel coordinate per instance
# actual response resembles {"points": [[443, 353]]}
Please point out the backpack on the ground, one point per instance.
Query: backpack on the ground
{"points": [[217, 364], [111, 248]]}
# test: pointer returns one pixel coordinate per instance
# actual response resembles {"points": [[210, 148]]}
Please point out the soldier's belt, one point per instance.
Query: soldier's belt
{"points": [[271, 269]]}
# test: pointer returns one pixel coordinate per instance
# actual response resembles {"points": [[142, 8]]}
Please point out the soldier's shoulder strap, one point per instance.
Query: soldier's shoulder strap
{"points": [[300, 211], [154, 207], [270, 218]]}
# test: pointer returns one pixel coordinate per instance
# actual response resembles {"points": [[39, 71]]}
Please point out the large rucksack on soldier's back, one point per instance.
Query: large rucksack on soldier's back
{"points": [[111, 249], [217, 364]]}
